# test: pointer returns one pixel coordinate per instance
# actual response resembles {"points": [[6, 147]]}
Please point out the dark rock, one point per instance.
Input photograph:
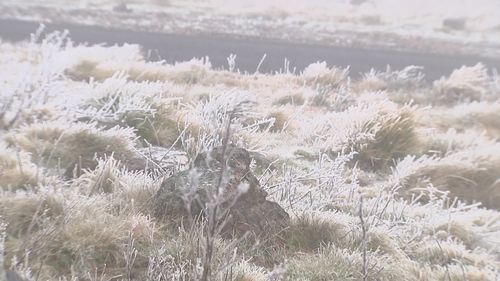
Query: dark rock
{"points": [[242, 204], [266, 216]]}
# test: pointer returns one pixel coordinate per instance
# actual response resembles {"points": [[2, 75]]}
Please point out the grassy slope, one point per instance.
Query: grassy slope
{"points": [[422, 162]]}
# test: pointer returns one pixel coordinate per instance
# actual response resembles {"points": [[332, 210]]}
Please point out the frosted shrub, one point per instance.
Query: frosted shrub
{"points": [[329, 176], [209, 120]]}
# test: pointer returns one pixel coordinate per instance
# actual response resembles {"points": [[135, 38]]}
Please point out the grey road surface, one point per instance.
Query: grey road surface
{"points": [[173, 47]]}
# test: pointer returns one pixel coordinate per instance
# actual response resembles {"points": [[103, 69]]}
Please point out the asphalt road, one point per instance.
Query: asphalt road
{"points": [[171, 48]]}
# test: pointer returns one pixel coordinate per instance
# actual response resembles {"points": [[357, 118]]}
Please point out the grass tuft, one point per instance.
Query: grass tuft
{"points": [[69, 146], [465, 84]]}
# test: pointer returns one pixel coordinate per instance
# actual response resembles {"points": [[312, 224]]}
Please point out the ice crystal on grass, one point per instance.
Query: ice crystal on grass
{"points": [[207, 121], [376, 188]]}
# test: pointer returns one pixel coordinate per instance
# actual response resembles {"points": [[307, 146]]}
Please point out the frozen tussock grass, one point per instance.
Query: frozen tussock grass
{"points": [[408, 78], [62, 145], [376, 129], [466, 84], [86, 235], [312, 230], [26, 211], [110, 177], [320, 74], [190, 72], [444, 252], [336, 224], [142, 106], [450, 141], [332, 262], [376, 188], [483, 117], [17, 171], [85, 226], [397, 83], [393, 137], [470, 175]]}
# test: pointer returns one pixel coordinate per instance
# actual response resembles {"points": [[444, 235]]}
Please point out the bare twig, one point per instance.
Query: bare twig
{"points": [[364, 239]]}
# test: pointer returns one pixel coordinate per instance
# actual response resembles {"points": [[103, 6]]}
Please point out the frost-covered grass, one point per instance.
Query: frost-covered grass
{"points": [[384, 177]]}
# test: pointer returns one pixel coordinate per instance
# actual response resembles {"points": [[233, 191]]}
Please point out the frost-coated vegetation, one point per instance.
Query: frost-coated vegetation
{"points": [[386, 177]]}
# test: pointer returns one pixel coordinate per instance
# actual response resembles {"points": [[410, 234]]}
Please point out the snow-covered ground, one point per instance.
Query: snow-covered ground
{"points": [[448, 26]]}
